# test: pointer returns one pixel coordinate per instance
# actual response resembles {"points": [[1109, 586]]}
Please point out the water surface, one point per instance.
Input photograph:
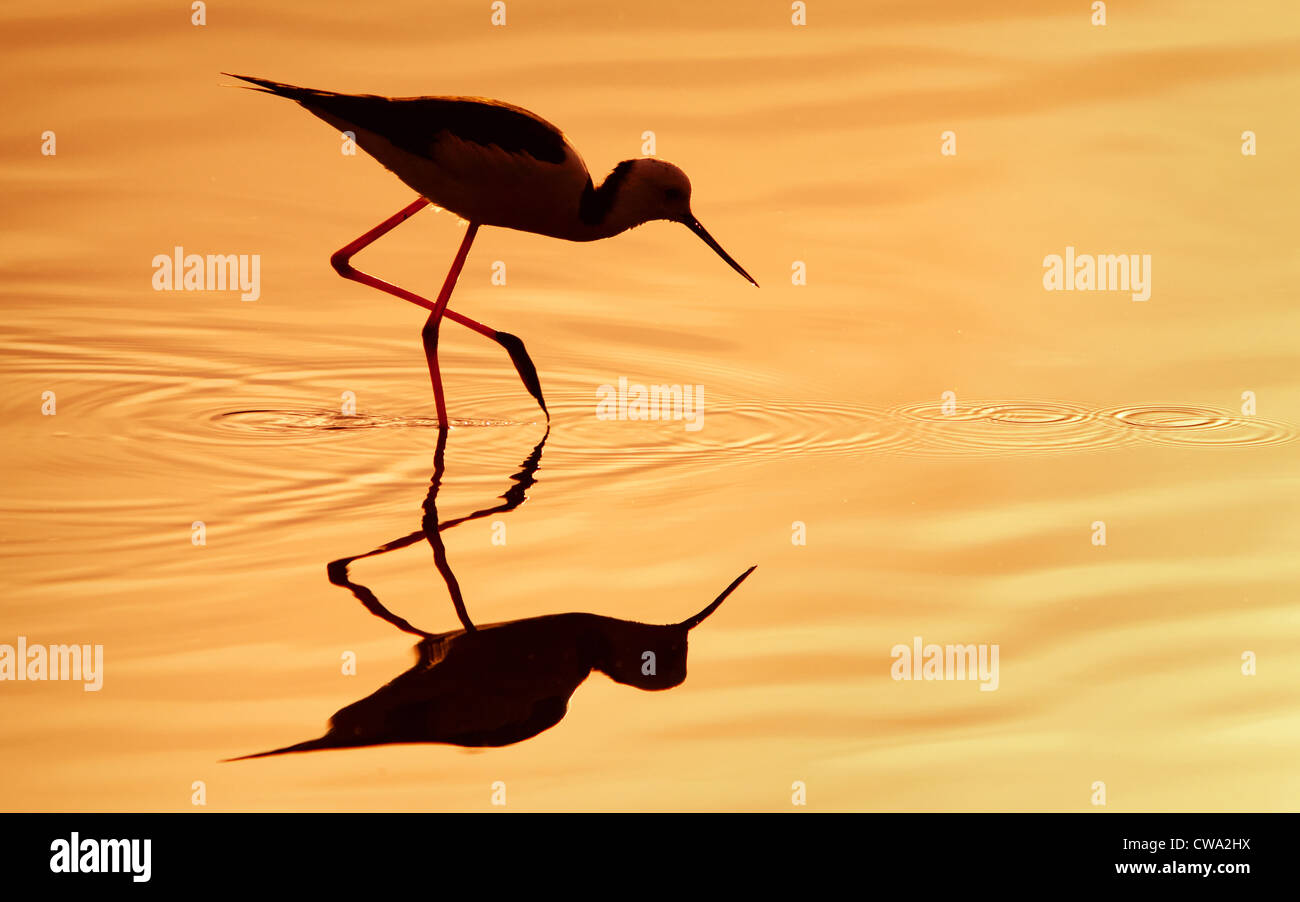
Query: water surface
{"points": [[824, 406]]}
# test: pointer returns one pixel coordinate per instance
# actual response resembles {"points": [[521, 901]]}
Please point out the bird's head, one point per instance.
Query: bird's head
{"points": [[651, 189], [652, 656]]}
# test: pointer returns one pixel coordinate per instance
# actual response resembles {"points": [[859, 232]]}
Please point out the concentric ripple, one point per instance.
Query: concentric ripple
{"points": [[276, 422], [169, 409], [731, 432], [1006, 427], [1198, 426]]}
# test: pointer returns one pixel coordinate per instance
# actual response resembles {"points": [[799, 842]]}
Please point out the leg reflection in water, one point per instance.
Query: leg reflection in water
{"points": [[499, 683]]}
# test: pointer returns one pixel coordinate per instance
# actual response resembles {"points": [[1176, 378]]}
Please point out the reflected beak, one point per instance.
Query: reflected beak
{"points": [[695, 621], [694, 225]]}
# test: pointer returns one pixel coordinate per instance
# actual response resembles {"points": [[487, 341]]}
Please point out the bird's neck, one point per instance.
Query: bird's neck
{"points": [[611, 208]]}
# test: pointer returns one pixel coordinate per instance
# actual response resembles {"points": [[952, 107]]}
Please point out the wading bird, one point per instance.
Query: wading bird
{"points": [[492, 164]]}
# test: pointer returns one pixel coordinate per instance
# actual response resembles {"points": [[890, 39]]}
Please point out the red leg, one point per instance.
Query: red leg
{"points": [[341, 258], [430, 331]]}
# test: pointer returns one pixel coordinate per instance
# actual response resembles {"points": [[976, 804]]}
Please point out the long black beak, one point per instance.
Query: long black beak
{"points": [[695, 621], [694, 225]]}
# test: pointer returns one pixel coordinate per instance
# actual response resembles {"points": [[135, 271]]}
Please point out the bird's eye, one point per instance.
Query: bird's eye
{"points": [[673, 193]]}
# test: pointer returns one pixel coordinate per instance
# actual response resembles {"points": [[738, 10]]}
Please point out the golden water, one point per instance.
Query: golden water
{"points": [[1120, 663]]}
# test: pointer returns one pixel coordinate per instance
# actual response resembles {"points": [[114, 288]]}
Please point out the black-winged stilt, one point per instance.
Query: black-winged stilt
{"points": [[493, 164]]}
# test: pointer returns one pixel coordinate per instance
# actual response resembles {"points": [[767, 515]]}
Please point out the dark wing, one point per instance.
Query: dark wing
{"points": [[415, 124]]}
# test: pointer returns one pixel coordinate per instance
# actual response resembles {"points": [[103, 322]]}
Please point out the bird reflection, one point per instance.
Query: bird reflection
{"points": [[499, 683]]}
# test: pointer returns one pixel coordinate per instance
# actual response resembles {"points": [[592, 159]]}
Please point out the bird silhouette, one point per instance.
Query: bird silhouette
{"points": [[495, 164], [499, 683]]}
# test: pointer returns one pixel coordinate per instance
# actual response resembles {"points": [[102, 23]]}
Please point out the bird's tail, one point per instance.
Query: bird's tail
{"points": [[279, 88]]}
